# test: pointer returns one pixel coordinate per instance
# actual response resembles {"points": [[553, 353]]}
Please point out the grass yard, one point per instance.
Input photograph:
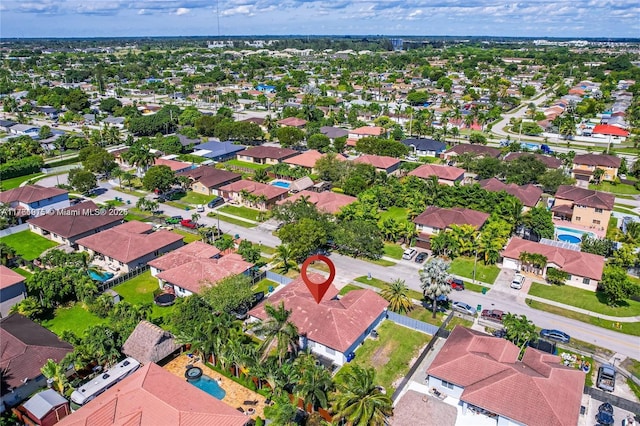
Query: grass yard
{"points": [[375, 282], [620, 188], [140, 290], [588, 379], [632, 366], [458, 321], [15, 182], [463, 266], [380, 262], [267, 249], [391, 354], [393, 250], [188, 236], [27, 244], [625, 211], [423, 314], [593, 301], [347, 288], [22, 272], [263, 285], [240, 211], [243, 164], [75, 318], [132, 216], [397, 213], [233, 221], [473, 287], [631, 328], [194, 198]]}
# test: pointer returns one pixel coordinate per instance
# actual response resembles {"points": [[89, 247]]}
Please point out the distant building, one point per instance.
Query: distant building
{"points": [[12, 290], [34, 200]]}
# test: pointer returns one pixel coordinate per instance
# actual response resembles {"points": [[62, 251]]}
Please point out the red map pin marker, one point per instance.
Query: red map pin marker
{"points": [[318, 290]]}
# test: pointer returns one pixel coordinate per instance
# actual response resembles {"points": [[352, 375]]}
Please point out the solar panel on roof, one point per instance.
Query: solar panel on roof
{"points": [[560, 244]]}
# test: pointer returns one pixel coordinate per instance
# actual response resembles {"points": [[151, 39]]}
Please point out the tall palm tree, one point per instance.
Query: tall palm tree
{"points": [[55, 373], [359, 401], [314, 382], [396, 293], [284, 258], [279, 333], [434, 278]]}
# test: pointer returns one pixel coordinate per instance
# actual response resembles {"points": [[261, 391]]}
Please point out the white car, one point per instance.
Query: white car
{"points": [[200, 208], [518, 282], [409, 253], [464, 308]]}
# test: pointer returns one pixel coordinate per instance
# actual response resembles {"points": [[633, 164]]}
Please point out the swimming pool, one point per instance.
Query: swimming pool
{"points": [[210, 386], [281, 184], [571, 235], [102, 277]]}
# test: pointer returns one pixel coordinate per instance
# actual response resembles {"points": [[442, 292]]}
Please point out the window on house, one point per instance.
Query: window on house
{"points": [[596, 222], [598, 210], [578, 218], [586, 281], [569, 277], [447, 385]]}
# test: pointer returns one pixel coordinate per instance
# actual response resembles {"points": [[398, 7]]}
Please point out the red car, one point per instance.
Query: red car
{"points": [[188, 223], [456, 284], [492, 315]]}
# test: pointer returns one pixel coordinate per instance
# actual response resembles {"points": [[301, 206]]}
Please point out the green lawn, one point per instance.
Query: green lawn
{"points": [[252, 166], [75, 318], [625, 211], [263, 285], [22, 272], [397, 213], [620, 188], [132, 216], [375, 282], [140, 290], [7, 184], [27, 244], [241, 211], [188, 236], [632, 328], [391, 354], [194, 198], [458, 321], [585, 299], [232, 220], [473, 287], [426, 315], [463, 266], [393, 250], [347, 288], [380, 262], [267, 249], [189, 158]]}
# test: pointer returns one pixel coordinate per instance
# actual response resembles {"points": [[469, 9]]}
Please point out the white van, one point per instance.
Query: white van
{"points": [[409, 253]]}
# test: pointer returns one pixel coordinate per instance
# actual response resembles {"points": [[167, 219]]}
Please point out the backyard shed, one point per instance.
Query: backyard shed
{"points": [[149, 343], [301, 184]]}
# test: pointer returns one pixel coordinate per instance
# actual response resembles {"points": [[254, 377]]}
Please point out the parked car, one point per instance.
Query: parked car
{"points": [[215, 202], [174, 220], [518, 281], [199, 208], [188, 223], [464, 308], [606, 378], [492, 315], [501, 333], [456, 284], [421, 257], [409, 253], [555, 335]]}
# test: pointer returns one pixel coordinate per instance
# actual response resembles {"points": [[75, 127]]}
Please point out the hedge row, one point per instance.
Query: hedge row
{"points": [[21, 167]]}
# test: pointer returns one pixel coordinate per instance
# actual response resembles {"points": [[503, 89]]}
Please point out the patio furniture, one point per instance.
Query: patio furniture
{"points": [[435, 392], [250, 411], [249, 402]]}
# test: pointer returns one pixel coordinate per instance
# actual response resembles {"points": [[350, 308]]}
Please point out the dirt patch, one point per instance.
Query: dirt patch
{"points": [[381, 356]]}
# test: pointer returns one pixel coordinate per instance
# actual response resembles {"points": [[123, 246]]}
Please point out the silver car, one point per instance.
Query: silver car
{"points": [[463, 308]]}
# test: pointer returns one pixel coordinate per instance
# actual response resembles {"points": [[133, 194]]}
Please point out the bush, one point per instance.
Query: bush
{"points": [[337, 190], [259, 421], [21, 167]]}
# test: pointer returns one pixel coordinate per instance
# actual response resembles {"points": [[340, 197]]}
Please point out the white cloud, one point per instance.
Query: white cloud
{"points": [[182, 11], [238, 10]]}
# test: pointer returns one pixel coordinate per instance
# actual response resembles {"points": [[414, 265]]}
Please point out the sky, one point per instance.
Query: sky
{"points": [[120, 18]]}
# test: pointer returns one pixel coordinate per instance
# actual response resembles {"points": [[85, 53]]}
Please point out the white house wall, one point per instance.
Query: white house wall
{"points": [[454, 392]]}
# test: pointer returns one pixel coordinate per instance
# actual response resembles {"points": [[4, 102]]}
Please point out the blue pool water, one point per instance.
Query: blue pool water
{"points": [[571, 235], [210, 386], [105, 276], [281, 184], [569, 238]]}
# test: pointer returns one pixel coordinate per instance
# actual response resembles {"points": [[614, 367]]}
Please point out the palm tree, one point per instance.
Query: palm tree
{"points": [[284, 258], [434, 277], [127, 177], [140, 156], [278, 332], [359, 401], [54, 372], [313, 383], [396, 293], [195, 217], [520, 330]]}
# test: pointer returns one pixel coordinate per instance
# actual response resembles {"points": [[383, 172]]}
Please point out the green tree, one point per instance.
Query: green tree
{"points": [[477, 138], [540, 222], [319, 142], [278, 333], [284, 259], [110, 104], [359, 238], [556, 276], [229, 293], [397, 294], [55, 373], [434, 278], [248, 251], [161, 178], [45, 133], [82, 181], [97, 160], [520, 330], [314, 382], [28, 307], [552, 179], [359, 400], [616, 285], [304, 237], [289, 136]]}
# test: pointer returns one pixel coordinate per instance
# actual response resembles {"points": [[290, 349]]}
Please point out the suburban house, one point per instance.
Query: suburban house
{"points": [[149, 343], [584, 269], [174, 165], [217, 151], [129, 245], [326, 201], [583, 206], [388, 165], [153, 396], [114, 121], [45, 408], [366, 131], [446, 175], [334, 133], [5, 125], [12, 290], [437, 219], [185, 254], [474, 150], [293, 122], [265, 154], [549, 161], [25, 129], [207, 180], [255, 194], [528, 194], [34, 200], [68, 225], [26, 347], [609, 131], [308, 159], [585, 165], [333, 328], [484, 375], [425, 147]]}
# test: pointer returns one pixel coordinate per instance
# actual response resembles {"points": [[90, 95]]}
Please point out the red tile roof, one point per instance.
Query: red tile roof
{"points": [[441, 172], [200, 272], [607, 129], [573, 262], [9, 278], [30, 193], [76, 220], [586, 197], [440, 218], [153, 396], [293, 122], [255, 188], [26, 346], [528, 194], [327, 201], [334, 323], [128, 242], [263, 152], [210, 176], [185, 254], [597, 160], [308, 159], [548, 161], [172, 164], [368, 131], [378, 161], [538, 387]]}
